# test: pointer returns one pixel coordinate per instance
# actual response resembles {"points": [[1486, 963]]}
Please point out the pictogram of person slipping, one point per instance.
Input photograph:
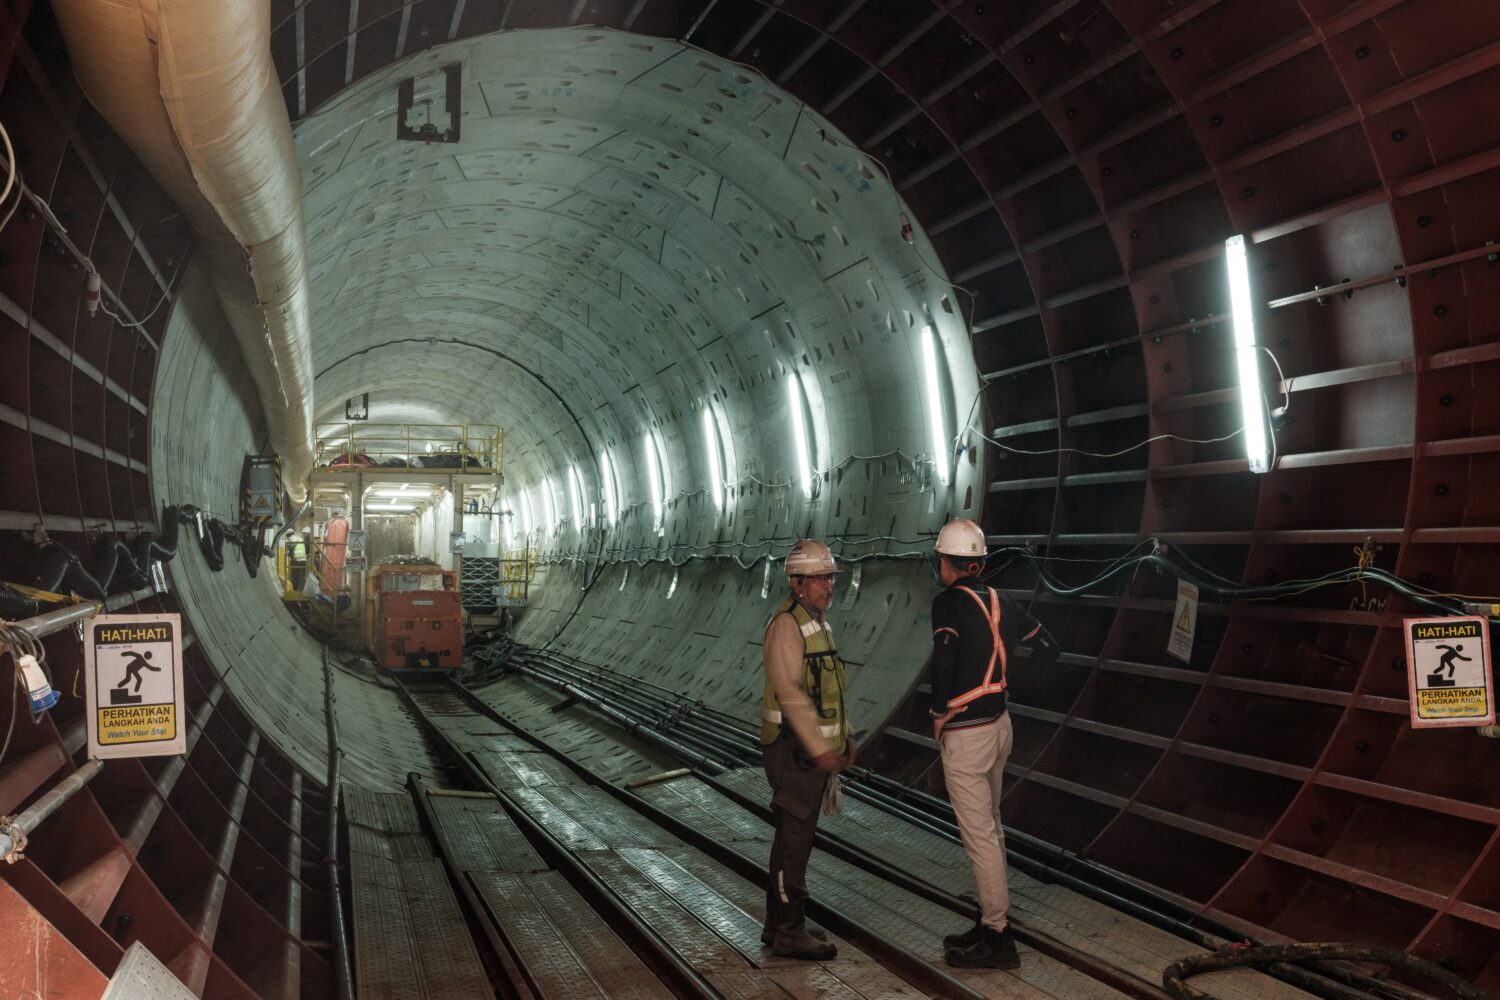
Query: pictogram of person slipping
{"points": [[134, 664], [1436, 678]]}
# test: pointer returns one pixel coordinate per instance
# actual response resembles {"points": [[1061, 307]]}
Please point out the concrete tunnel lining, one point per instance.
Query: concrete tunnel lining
{"points": [[433, 287]]}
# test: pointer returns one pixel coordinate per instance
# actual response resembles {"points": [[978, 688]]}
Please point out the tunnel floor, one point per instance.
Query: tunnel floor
{"points": [[452, 897]]}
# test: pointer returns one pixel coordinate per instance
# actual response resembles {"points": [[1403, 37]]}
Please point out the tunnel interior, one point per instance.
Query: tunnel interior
{"points": [[676, 245]]}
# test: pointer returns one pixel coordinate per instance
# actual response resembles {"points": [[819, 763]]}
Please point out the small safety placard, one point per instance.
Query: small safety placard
{"points": [[1448, 671], [134, 690], [1184, 622]]}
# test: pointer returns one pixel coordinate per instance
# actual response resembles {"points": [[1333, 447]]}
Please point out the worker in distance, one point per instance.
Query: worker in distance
{"points": [[975, 633], [804, 735]]}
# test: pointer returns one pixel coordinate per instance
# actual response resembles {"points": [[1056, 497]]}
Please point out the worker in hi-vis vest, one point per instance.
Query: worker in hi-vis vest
{"points": [[804, 734], [975, 632]]}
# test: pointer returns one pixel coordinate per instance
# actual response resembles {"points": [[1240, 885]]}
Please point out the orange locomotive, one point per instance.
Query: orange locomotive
{"points": [[419, 620]]}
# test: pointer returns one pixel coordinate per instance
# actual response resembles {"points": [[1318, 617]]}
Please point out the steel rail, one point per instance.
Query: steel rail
{"points": [[658, 955], [343, 974], [902, 962]]}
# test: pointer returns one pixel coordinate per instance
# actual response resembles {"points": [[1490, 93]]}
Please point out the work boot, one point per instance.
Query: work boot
{"points": [[768, 934], [994, 950], [801, 944], [967, 939]]}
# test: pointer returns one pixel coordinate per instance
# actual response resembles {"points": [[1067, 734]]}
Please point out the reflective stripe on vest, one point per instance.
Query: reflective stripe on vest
{"points": [[997, 653], [773, 716]]}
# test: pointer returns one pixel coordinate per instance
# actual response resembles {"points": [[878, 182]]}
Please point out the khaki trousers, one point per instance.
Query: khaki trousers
{"points": [[973, 765]]}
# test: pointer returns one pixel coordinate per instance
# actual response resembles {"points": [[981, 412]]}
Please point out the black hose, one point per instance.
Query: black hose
{"points": [[14, 607], [211, 544], [113, 562], [1174, 978], [60, 568], [151, 548]]}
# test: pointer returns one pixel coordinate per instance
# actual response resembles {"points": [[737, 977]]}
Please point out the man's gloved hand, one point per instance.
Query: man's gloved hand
{"points": [[828, 761], [939, 721]]}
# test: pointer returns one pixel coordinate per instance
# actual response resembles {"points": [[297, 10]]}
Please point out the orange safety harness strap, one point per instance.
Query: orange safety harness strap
{"points": [[997, 654]]}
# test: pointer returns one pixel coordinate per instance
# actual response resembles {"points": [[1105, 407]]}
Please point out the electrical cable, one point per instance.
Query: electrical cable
{"points": [[1112, 454]]}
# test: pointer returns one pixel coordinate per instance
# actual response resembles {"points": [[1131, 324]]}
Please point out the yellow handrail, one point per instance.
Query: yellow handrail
{"points": [[466, 447]]}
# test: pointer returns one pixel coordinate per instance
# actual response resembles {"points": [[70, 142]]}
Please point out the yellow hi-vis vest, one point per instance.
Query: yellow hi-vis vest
{"points": [[822, 679]]}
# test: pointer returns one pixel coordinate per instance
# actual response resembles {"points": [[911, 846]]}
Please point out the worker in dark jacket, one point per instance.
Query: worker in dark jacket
{"points": [[804, 736], [976, 632]]}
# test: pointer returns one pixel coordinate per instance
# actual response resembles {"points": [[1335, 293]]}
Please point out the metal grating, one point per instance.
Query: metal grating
{"points": [[567, 949], [141, 976]]}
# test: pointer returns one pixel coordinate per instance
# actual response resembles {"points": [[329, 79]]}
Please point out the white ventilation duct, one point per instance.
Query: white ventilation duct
{"points": [[190, 86]]}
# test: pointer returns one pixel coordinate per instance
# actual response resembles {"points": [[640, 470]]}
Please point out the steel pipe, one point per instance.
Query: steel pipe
{"points": [[55, 621], [13, 833]]}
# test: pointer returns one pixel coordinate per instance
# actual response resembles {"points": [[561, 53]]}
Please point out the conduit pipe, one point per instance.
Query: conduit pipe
{"points": [[190, 86]]}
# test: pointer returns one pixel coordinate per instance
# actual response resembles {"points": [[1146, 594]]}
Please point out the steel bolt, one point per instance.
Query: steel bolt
{"points": [[1247, 647], [1261, 896], [1107, 171], [1361, 745], [1361, 52], [1441, 489], [1440, 310], [1316, 823], [1155, 300], [1398, 134], [1167, 367], [1177, 52], [1424, 221], [1446, 399]]}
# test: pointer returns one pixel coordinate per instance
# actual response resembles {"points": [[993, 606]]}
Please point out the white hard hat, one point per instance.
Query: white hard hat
{"points": [[810, 558], [961, 537]]}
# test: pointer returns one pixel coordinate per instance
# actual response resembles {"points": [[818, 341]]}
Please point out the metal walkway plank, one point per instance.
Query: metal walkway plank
{"points": [[481, 837], [566, 948]]}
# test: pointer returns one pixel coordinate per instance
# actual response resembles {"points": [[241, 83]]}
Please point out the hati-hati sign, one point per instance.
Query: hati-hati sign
{"points": [[135, 703], [1448, 671]]}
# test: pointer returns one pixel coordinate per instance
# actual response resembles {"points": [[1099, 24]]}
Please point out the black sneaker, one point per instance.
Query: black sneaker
{"points": [[967, 939], [993, 950], [768, 934], [801, 944]]}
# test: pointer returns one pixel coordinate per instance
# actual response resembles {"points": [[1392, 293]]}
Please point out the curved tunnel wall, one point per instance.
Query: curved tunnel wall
{"points": [[1077, 166]]}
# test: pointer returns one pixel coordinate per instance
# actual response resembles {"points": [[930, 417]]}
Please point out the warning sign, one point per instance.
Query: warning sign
{"points": [[134, 692], [354, 552], [1448, 671], [1184, 622]]}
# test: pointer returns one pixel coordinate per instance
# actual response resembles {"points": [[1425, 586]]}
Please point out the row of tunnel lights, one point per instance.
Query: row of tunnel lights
{"points": [[719, 449]]}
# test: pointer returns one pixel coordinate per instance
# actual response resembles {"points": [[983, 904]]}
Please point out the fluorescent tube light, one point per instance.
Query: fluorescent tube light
{"points": [[715, 472], [653, 470], [575, 492], [611, 491], [936, 422], [1247, 359], [551, 503], [799, 430]]}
